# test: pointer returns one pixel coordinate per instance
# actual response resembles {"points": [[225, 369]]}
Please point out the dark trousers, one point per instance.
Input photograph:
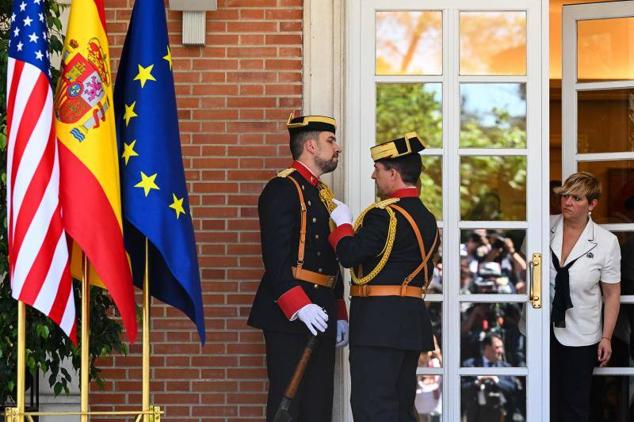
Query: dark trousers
{"points": [[570, 381], [313, 400], [383, 384]]}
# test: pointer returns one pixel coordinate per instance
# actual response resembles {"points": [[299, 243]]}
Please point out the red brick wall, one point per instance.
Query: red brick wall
{"points": [[234, 96]]}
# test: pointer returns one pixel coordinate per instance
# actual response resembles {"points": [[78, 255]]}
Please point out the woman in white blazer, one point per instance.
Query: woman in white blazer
{"points": [[585, 262]]}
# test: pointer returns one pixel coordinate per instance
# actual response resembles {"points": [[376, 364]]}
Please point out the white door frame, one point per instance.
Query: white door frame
{"points": [[359, 189], [570, 88]]}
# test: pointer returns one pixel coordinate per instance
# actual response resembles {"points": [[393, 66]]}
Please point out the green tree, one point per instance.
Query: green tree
{"points": [[47, 345], [407, 107]]}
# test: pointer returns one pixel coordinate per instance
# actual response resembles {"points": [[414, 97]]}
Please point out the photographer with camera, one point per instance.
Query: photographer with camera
{"points": [[489, 397], [512, 264]]}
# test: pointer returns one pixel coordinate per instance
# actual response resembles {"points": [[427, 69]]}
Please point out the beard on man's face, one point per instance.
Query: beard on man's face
{"points": [[327, 166]]}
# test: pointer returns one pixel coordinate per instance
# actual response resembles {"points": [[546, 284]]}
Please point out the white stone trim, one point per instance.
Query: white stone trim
{"points": [[323, 93]]}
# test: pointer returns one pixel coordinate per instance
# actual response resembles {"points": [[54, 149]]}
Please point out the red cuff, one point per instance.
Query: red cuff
{"points": [[342, 312], [339, 233], [292, 301]]}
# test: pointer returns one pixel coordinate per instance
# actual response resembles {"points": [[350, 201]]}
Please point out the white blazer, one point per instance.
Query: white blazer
{"points": [[599, 260]]}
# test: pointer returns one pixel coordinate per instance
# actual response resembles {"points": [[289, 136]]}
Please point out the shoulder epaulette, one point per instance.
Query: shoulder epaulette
{"points": [[285, 172], [385, 203], [381, 205]]}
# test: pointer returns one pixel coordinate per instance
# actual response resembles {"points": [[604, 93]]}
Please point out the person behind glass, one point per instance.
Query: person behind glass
{"points": [[585, 261], [301, 292], [391, 252], [489, 397]]}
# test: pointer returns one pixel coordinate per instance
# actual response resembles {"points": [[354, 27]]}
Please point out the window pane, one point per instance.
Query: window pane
{"points": [[605, 49], [491, 261], [409, 43], [493, 115], [431, 184], [610, 398], [626, 240], [481, 321], [428, 402], [403, 108], [493, 399], [605, 121], [493, 188], [493, 43], [616, 204]]}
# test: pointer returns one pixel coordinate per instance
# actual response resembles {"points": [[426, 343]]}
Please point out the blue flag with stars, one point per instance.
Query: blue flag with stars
{"points": [[153, 190]]}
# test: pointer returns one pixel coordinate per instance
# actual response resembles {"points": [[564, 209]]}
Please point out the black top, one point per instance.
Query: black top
{"points": [[279, 211], [390, 321]]}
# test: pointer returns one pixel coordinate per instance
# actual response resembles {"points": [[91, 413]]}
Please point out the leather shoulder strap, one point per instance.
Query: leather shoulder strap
{"points": [[421, 245], [302, 226], [286, 172]]}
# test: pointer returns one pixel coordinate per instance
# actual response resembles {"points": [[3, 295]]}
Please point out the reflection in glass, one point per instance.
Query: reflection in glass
{"points": [[493, 188], [491, 261], [493, 115], [616, 204], [493, 43], [606, 121], [409, 43], [605, 50], [626, 240], [479, 321], [611, 397], [403, 108], [428, 402], [488, 398], [431, 184]]}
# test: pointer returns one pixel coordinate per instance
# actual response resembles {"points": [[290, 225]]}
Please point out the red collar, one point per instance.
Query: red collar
{"points": [[305, 172], [409, 192]]}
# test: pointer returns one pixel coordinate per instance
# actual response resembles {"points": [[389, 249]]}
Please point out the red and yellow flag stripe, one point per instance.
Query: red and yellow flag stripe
{"points": [[89, 167]]}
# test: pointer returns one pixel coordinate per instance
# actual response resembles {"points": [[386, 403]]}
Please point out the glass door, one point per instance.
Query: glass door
{"points": [[598, 136], [468, 77]]}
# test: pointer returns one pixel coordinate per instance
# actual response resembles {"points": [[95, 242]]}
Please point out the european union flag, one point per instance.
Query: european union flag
{"points": [[155, 201]]}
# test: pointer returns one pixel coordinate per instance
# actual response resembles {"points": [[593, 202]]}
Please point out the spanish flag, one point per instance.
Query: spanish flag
{"points": [[90, 192]]}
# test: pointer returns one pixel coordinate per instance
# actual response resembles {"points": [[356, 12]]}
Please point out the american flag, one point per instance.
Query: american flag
{"points": [[38, 252]]}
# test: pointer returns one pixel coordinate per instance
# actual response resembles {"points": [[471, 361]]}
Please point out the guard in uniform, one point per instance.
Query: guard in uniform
{"points": [[390, 251], [301, 292]]}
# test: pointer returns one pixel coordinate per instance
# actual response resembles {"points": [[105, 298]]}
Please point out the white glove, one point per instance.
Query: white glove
{"points": [[341, 214], [342, 333], [314, 317]]}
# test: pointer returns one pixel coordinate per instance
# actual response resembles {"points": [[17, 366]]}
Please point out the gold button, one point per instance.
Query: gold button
{"points": [[314, 219], [316, 236]]}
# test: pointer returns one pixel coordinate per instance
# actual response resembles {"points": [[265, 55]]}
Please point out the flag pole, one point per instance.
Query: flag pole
{"points": [[21, 384], [146, 334], [85, 340]]}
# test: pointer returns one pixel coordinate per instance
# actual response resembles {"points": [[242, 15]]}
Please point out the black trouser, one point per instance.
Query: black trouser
{"points": [[570, 381], [383, 384], [313, 400]]}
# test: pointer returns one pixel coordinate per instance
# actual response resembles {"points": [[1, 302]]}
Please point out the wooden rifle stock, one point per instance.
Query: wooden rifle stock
{"points": [[282, 414]]}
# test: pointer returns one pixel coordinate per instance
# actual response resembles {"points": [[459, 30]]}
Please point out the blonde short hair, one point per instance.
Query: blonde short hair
{"points": [[582, 183]]}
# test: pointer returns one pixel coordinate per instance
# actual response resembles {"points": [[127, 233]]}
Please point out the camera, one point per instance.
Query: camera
{"points": [[498, 241]]}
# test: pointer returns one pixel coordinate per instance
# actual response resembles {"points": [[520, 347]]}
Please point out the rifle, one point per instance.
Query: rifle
{"points": [[282, 414]]}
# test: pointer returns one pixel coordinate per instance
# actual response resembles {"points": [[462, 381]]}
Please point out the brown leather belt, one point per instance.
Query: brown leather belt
{"points": [[384, 290], [314, 278]]}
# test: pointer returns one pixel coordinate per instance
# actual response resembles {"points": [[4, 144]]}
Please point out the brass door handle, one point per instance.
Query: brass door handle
{"points": [[535, 292]]}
